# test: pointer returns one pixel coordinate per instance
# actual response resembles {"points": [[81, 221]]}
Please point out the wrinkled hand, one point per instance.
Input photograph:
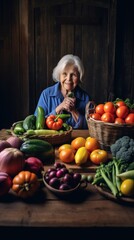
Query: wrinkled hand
{"points": [[69, 104]]}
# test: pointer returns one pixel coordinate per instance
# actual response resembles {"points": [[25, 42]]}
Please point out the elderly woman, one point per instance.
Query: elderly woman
{"points": [[66, 96]]}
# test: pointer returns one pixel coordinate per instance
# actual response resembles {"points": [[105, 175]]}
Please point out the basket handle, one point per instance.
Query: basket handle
{"points": [[90, 108]]}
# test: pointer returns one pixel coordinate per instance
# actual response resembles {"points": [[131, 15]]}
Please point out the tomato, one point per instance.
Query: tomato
{"points": [[53, 122], [119, 121], [107, 117], [96, 116], [120, 103], [98, 156], [78, 142], [99, 108], [66, 155], [65, 146], [91, 144], [127, 187], [25, 184], [122, 112], [109, 107], [130, 118]]}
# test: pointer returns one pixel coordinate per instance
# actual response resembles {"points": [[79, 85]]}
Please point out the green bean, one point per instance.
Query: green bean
{"points": [[126, 175]]}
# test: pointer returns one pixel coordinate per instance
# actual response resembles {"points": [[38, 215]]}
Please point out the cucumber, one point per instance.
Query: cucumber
{"points": [[29, 122], [38, 148], [40, 119]]}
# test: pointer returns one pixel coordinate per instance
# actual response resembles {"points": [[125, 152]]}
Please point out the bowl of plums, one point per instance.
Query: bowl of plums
{"points": [[62, 181]]}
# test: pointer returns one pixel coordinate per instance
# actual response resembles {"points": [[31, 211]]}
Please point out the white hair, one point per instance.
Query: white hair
{"points": [[64, 61]]}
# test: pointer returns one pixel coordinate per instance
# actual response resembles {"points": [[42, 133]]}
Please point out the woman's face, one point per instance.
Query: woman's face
{"points": [[69, 78]]}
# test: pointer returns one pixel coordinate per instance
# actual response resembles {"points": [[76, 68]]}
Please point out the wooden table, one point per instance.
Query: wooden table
{"points": [[86, 214]]}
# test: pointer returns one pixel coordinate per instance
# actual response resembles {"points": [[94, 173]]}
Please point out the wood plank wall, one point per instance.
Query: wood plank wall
{"points": [[35, 34]]}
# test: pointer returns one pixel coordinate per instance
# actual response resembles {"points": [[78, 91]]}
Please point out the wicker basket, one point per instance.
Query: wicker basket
{"points": [[57, 139], [108, 133]]}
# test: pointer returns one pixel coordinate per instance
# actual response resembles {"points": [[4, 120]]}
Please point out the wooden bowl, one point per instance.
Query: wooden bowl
{"points": [[61, 192]]}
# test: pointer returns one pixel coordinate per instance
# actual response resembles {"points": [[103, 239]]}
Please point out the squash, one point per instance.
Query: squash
{"points": [[38, 148]]}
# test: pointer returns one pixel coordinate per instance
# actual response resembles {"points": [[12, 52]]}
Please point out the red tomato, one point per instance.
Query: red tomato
{"points": [[98, 156], [53, 122], [109, 107], [130, 118], [96, 116], [119, 121], [120, 103], [122, 112], [100, 108], [107, 117]]}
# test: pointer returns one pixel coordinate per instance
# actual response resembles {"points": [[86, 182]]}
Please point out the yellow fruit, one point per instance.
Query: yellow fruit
{"points": [[127, 187], [81, 156]]}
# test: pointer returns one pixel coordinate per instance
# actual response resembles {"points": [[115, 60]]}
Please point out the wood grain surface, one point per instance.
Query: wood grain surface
{"points": [[84, 209]]}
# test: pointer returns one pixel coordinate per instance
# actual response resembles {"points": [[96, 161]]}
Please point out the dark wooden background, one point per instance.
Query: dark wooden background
{"points": [[35, 34]]}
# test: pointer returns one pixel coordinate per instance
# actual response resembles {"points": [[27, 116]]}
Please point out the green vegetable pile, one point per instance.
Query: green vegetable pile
{"points": [[108, 176]]}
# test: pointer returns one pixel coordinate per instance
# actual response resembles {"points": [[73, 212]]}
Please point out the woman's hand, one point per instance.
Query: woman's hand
{"points": [[69, 104]]}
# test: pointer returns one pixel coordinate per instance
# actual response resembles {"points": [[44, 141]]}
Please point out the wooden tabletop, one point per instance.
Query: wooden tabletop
{"points": [[86, 209]]}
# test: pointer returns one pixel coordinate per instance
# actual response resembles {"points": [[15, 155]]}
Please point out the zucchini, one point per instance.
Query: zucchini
{"points": [[38, 148], [40, 119], [29, 122]]}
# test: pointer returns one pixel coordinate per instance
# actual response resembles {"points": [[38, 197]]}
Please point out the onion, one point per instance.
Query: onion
{"points": [[14, 141], [5, 183], [4, 144], [11, 161]]}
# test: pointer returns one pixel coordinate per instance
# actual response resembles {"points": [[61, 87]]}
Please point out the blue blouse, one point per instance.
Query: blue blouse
{"points": [[51, 97]]}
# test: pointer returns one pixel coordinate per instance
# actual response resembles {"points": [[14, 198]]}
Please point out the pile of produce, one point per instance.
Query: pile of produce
{"points": [[41, 125], [118, 112], [59, 177], [82, 151], [117, 175], [22, 165]]}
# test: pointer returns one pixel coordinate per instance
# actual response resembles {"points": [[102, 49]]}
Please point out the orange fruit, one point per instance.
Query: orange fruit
{"points": [[98, 156], [66, 155], [64, 146], [78, 142], [91, 144]]}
